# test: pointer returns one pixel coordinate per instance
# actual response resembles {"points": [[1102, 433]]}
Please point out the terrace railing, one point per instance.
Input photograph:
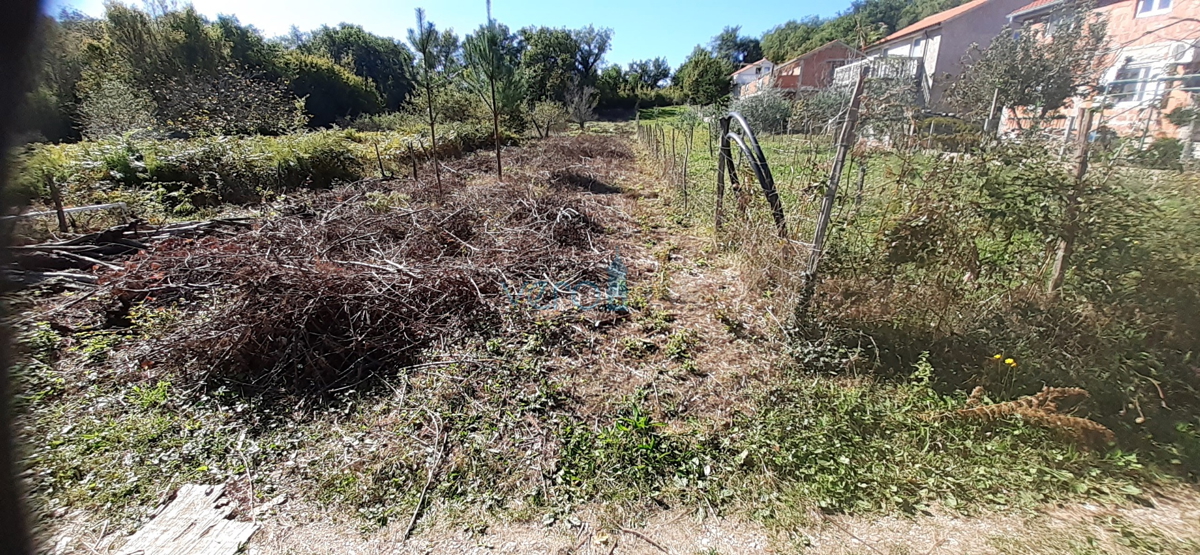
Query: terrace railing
{"points": [[899, 71]]}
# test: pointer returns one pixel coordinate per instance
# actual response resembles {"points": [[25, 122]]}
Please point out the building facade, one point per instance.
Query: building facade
{"points": [[749, 74], [930, 52], [1149, 67], [810, 71]]}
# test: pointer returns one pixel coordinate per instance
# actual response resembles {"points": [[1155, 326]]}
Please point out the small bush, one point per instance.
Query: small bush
{"points": [[1162, 154], [766, 112]]}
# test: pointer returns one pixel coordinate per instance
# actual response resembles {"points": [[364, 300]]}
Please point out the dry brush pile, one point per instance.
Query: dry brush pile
{"points": [[359, 281]]}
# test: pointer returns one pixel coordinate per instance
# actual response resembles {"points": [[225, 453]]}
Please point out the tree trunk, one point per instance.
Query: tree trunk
{"points": [[496, 130], [437, 170]]}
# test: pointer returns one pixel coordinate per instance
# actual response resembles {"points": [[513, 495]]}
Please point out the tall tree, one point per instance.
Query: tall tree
{"points": [[248, 48], [649, 73], [731, 47], [491, 73], [447, 50], [548, 62], [865, 22], [704, 78], [424, 40], [593, 44], [385, 61], [790, 39]]}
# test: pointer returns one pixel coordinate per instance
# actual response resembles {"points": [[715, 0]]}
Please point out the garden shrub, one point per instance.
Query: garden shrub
{"points": [[766, 112]]}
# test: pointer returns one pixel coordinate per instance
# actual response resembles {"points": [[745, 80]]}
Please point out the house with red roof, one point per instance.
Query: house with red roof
{"points": [[809, 71], [749, 74], [930, 51], [1150, 66]]}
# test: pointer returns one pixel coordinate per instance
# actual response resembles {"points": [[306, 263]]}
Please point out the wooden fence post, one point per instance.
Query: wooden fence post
{"points": [[862, 179], [378, 158], [687, 156], [723, 159], [1070, 229], [845, 142]]}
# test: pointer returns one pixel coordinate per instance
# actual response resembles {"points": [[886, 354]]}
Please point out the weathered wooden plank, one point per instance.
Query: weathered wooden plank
{"points": [[196, 522]]}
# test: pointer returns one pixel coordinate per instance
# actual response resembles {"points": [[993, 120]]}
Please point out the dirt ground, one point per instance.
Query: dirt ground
{"points": [[1170, 525]]}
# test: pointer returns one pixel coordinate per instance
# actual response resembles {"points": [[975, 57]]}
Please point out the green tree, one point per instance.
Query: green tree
{"points": [[448, 51], [247, 47], [593, 44], [612, 86], [384, 61], [231, 102], [546, 115], [59, 60], [649, 73], [491, 60], [704, 78], [330, 91], [735, 49], [114, 106], [790, 39], [1034, 68], [766, 112], [865, 22], [548, 62], [424, 40]]}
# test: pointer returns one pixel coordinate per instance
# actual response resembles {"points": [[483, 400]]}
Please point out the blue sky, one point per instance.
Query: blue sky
{"points": [[642, 29]]}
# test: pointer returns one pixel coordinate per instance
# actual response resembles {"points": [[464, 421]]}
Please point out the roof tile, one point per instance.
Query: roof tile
{"points": [[1034, 6], [934, 19]]}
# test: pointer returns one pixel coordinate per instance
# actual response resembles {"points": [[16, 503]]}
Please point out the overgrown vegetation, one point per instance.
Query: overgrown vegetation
{"points": [[950, 256], [384, 329], [182, 176]]}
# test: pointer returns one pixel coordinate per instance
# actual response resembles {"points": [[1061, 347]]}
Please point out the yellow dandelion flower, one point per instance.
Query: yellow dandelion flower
{"points": [[1009, 361], [997, 357]]}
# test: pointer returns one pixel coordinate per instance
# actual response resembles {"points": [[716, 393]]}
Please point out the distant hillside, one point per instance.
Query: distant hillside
{"points": [[865, 22]]}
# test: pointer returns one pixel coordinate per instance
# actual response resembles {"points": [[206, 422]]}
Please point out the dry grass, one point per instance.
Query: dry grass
{"points": [[1042, 409]]}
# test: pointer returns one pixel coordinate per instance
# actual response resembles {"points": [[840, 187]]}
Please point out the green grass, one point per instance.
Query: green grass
{"points": [[662, 113], [165, 178]]}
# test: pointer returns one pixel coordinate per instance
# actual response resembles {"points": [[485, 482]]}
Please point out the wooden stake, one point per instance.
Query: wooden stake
{"points": [[56, 197], [378, 158], [412, 156], [687, 156], [1070, 229], [845, 141], [722, 163], [862, 179]]}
